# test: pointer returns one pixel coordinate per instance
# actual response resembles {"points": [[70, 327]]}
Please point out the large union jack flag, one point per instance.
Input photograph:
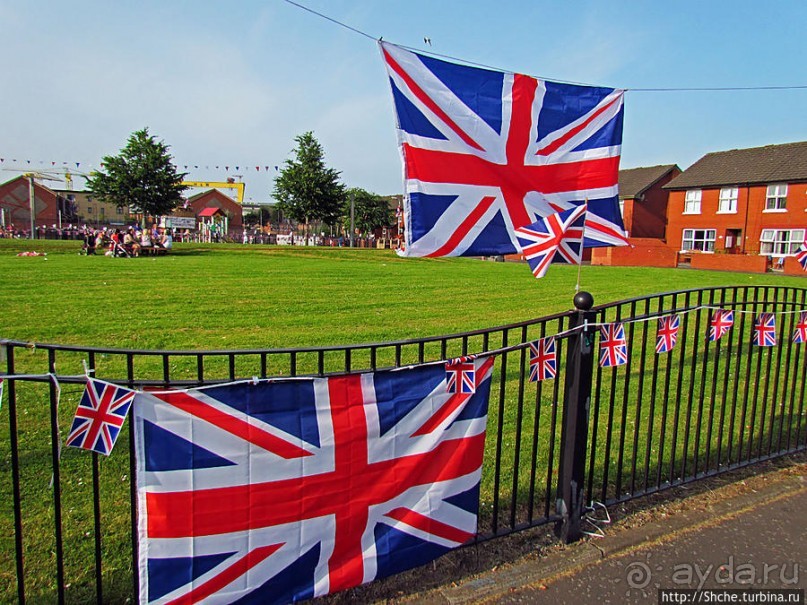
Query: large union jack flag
{"points": [[557, 238], [765, 330], [99, 417], [487, 152], [800, 331], [613, 346], [284, 490]]}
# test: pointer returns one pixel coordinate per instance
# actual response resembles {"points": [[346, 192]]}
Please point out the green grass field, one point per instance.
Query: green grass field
{"points": [[204, 297], [234, 296]]}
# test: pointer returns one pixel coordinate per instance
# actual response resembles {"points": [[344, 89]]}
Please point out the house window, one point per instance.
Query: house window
{"points": [[776, 197], [728, 200], [692, 202], [780, 242], [699, 239]]}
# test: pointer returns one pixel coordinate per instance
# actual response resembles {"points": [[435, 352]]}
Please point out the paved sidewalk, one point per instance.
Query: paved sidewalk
{"points": [[757, 537]]}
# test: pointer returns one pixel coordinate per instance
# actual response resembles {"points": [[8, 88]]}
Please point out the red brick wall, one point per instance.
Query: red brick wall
{"points": [[745, 263], [648, 216], [792, 267], [216, 199], [14, 200], [750, 217], [644, 252]]}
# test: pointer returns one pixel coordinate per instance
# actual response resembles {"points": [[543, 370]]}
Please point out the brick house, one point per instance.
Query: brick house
{"points": [[643, 204], [15, 204], [742, 209], [643, 200], [215, 199]]}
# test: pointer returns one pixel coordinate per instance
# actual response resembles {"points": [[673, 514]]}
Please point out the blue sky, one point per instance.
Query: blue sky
{"points": [[232, 83]]}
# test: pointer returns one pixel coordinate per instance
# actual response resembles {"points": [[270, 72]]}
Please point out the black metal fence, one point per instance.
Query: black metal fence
{"points": [[593, 434]]}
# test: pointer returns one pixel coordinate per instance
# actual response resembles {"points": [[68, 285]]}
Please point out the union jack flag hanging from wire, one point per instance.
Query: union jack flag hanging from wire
{"points": [[800, 333], [721, 323], [613, 347], [557, 238], [285, 490], [543, 359], [765, 330], [487, 152], [667, 333], [99, 416], [801, 255]]}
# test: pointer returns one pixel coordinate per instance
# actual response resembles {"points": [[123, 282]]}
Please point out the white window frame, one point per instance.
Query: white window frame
{"points": [[692, 201], [698, 240], [779, 243], [776, 198], [727, 203]]}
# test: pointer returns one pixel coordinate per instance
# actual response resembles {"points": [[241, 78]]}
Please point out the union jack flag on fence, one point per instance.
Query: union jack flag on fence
{"points": [[721, 323], [555, 238], [99, 416], [487, 152], [800, 333], [613, 347], [543, 359], [667, 333], [285, 490], [765, 330]]}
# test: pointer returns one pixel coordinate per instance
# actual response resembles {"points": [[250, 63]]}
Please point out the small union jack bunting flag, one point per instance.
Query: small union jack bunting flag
{"points": [[100, 416], [801, 255], [667, 333], [800, 333], [1, 392], [543, 360], [765, 330], [613, 347], [721, 323], [461, 375]]}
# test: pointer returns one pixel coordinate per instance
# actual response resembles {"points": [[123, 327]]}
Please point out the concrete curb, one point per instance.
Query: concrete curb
{"points": [[619, 541]]}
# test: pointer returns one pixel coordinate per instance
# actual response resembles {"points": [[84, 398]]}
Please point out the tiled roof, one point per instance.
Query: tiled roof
{"points": [[785, 163], [634, 181]]}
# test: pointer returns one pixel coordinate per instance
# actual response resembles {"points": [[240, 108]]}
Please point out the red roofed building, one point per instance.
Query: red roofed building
{"points": [[213, 199], [643, 204], [744, 209]]}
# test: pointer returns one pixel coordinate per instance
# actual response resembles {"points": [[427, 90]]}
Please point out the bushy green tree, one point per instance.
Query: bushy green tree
{"points": [[142, 177], [370, 211], [306, 189]]}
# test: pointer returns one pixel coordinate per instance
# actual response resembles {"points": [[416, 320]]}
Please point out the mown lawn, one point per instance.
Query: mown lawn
{"points": [[234, 296], [204, 297]]}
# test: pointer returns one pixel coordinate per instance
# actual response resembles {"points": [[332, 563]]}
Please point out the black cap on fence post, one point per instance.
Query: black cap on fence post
{"points": [[574, 435]]}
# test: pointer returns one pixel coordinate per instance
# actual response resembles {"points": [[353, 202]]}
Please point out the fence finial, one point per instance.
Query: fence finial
{"points": [[583, 301]]}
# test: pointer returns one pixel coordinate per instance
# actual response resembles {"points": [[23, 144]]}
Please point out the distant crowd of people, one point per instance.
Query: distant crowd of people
{"points": [[127, 242]]}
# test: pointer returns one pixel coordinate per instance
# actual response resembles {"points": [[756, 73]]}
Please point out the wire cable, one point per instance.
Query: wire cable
{"points": [[499, 69]]}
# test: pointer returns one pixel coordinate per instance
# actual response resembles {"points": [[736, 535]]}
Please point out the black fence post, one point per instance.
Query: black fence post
{"points": [[574, 435]]}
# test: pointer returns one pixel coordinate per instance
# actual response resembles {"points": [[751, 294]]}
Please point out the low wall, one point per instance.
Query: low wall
{"points": [[744, 263], [792, 267], [643, 252]]}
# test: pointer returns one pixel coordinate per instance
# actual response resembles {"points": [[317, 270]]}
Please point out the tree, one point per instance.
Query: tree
{"points": [[306, 189], [370, 211], [141, 177]]}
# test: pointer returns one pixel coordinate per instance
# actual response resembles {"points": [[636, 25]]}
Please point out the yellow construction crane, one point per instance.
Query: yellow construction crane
{"points": [[239, 187]]}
